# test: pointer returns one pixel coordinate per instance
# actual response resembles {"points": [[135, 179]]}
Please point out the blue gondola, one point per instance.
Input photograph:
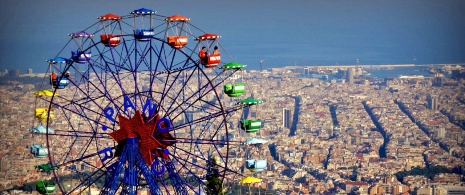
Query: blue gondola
{"points": [[60, 82], [80, 38], [143, 34], [58, 60], [81, 57]]}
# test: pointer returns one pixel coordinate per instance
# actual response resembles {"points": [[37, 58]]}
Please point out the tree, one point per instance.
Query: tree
{"points": [[353, 177], [214, 182]]}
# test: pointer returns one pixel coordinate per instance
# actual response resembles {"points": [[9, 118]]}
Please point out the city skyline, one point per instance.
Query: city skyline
{"points": [[365, 125]]}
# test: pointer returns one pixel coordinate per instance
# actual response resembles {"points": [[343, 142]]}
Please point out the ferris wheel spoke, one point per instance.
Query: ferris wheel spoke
{"points": [[68, 152], [87, 179], [130, 50], [177, 157], [74, 135], [77, 133], [204, 87], [174, 100], [65, 154], [67, 135], [188, 140], [91, 155], [176, 181], [166, 86], [190, 104], [83, 115], [183, 87], [109, 59], [161, 60], [87, 182], [105, 91], [205, 118], [194, 177], [82, 111]]}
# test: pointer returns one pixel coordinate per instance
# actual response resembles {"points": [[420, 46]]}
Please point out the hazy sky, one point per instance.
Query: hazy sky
{"points": [[302, 32]]}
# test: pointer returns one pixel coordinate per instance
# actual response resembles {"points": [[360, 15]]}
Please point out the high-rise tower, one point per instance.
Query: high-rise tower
{"points": [[432, 102], [350, 76], [286, 118]]}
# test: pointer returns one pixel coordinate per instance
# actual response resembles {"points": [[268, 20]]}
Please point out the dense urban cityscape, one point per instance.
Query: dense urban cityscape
{"points": [[330, 130]]}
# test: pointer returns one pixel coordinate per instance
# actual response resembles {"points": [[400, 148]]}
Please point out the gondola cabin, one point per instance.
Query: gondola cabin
{"points": [[77, 55], [233, 65], [209, 60], [212, 61], [255, 141], [45, 187], [255, 165], [250, 101], [45, 168], [45, 92], [251, 126], [234, 90], [144, 34], [38, 150], [141, 34], [60, 82], [41, 129], [42, 114], [250, 180], [109, 39], [58, 60], [81, 57], [177, 40]]}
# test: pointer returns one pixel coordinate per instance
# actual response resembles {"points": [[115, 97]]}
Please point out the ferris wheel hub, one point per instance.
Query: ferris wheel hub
{"points": [[132, 140], [150, 138]]}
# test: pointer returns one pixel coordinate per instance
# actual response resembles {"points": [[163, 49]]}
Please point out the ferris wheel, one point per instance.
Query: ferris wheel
{"points": [[135, 103]]}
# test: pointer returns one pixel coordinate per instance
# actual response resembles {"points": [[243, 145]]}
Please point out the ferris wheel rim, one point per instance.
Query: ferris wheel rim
{"points": [[209, 82]]}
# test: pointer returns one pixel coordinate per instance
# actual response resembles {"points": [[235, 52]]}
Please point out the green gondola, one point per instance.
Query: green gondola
{"points": [[234, 90], [251, 126], [45, 187], [250, 101], [45, 168], [233, 65]]}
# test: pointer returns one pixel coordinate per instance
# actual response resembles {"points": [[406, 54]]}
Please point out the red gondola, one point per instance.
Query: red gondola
{"points": [[206, 59], [109, 39]]}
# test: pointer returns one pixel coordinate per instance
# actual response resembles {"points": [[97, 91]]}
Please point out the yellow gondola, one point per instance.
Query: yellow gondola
{"points": [[249, 180], [43, 113], [44, 92]]}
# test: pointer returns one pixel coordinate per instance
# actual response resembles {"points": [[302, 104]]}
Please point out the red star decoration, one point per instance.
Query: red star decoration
{"points": [[151, 140]]}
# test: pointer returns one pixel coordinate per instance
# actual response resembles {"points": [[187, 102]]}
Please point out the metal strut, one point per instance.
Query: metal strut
{"points": [[176, 181], [135, 165]]}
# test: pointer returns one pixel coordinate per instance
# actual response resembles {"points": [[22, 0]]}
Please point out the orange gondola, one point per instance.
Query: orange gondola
{"points": [[177, 24]]}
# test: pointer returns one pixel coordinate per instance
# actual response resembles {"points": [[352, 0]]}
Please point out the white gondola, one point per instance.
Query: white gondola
{"points": [[41, 129]]}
